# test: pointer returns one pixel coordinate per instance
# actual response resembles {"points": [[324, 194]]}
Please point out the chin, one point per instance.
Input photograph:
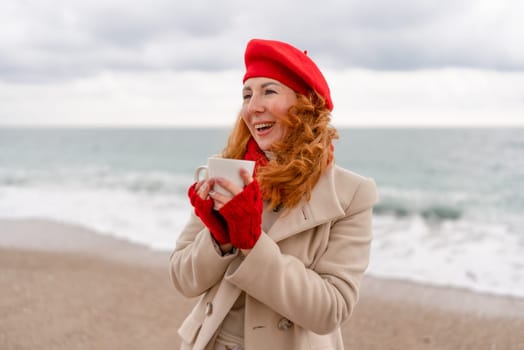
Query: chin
{"points": [[263, 144]]}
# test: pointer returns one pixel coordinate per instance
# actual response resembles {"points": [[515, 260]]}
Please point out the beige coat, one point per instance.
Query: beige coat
{"points": [[301, 278]]}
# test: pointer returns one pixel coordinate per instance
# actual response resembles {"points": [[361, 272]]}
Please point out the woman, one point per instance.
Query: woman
{"points": [[277, 264]]}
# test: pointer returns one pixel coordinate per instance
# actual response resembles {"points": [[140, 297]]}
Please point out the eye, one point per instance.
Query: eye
{"points": [[246, 96], [269, 92]]}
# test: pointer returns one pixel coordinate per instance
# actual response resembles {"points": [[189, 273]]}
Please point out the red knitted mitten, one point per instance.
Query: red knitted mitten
{"points": [[210, 217], [243, 214]]}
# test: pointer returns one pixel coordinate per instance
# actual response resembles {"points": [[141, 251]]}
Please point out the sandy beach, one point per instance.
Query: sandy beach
{"points": [[66, 287]]}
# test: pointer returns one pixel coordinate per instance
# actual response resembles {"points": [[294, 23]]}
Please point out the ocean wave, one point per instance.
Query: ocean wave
{"points": [[151, 182], [152, 220], [438, 206], [147, 183], [435, 212], [480, 255], [13, 180]]}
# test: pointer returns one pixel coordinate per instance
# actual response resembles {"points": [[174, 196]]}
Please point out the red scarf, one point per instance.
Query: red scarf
{"points": [[253, 152]]}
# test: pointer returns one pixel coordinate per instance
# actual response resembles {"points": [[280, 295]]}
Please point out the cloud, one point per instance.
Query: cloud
{"points": [[125, 99], [156, 62], [52, 40], [431, 97], [362, 97], [55, 40]]}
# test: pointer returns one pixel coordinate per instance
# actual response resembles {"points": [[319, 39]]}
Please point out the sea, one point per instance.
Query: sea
{"points": [[451, 209]]}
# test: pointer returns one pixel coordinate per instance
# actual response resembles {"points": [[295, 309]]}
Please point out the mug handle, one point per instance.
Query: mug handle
{"points": [[198, 171]]}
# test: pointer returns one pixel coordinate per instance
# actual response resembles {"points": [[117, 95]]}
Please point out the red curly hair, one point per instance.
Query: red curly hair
{"points": [[300, 158]]}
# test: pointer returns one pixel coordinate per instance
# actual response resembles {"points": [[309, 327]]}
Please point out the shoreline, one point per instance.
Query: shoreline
{"points": [[66, 287], [69, 237]]}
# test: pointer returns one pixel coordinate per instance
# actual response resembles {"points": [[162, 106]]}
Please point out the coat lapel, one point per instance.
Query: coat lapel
{"points": [[322, 207]]}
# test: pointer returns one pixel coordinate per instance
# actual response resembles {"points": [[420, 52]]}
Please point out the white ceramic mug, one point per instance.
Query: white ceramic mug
{"points": [[226, 168]]}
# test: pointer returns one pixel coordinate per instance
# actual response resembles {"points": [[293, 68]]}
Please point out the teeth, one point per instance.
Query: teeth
{"points": [[263, 126]]}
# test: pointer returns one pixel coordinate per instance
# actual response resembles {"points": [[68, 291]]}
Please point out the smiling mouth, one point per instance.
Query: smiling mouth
{"points": [[264, 126]]}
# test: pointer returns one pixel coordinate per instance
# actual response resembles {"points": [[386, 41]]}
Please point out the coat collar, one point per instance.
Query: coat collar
{"points": [[321, 208]]}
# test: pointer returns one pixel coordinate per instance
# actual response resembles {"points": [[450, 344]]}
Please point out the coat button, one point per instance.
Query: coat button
{"points": [[284, 324], [209, 309]]}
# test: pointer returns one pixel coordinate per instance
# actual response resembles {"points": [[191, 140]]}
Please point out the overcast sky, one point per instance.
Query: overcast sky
{"points": [[167, 62]]}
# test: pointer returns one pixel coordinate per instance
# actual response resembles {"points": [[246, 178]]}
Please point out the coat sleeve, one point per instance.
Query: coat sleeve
{"points": [[322, 298], [196, 264]]}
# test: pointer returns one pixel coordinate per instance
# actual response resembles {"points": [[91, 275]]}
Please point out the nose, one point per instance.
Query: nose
{"points": [[255, 105]]}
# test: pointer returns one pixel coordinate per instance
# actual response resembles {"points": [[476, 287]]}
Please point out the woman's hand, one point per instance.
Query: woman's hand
{"points": [[221, 199], [198, 194], [202, 188], [242, 211]]}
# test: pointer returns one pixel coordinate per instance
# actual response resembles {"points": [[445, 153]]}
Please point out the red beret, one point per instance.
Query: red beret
{"points": [[287, 64]]}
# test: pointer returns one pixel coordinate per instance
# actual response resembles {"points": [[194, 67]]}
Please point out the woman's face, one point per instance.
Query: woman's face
{"points": [[265, 107]]}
